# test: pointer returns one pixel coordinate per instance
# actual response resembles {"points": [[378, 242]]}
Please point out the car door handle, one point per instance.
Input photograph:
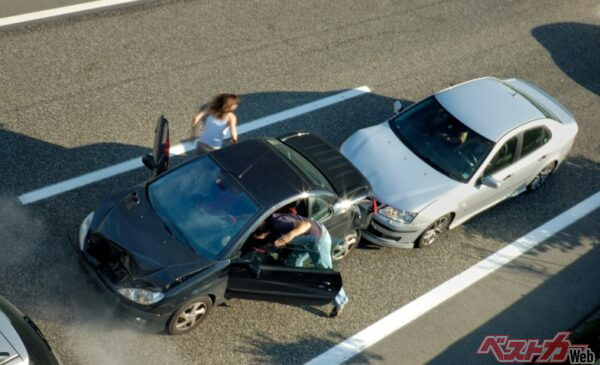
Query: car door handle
{"points": [[543, 157], [507, 177]]}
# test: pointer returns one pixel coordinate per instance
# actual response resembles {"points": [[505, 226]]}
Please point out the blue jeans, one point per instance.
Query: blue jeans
{"points": [[319, 252]]}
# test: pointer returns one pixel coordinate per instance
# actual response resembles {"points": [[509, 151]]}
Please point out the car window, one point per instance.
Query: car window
{"points": [[319, 209], [202, 204], [441, 140], [534, 139], [503, 157]]}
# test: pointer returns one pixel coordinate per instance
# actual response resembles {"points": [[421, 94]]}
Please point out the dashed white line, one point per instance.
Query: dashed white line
{"points": [[423, 304], [179, 149]]}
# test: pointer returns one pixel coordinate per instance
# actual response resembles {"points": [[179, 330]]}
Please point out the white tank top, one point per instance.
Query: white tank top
{"points": [[215, 130]]}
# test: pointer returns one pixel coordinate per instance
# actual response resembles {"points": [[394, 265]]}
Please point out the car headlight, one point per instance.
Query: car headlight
{"points": [[141, 296], [397, 214], [84, 228]]}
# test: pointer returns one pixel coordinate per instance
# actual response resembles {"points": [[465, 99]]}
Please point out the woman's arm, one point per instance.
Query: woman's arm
{"points": [[233, 127], [197, 118]]}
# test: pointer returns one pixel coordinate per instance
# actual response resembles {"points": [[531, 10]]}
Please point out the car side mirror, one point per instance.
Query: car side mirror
{"points": [[148, 161], [490, 181], [398, 106]]}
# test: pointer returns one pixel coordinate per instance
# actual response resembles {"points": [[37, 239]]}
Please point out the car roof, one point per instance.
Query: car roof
{"points": [[262, 171], [488, 107]]}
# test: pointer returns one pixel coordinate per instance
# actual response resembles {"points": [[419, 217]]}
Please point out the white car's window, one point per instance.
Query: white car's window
{"points": [[534, 139], [503, 157], [441, 140]]}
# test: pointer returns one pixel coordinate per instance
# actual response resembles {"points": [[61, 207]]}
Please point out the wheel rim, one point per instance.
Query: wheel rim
{"points": [[348, 244], [190, 316], [541, 177], [435, 230]]}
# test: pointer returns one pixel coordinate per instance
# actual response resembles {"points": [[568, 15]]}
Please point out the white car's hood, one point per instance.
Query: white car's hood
{"points": [[398, 177]]}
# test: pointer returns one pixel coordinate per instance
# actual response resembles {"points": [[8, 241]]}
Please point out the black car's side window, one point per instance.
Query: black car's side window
{"points": [[503, 157], [534, 139], [319, 209]]}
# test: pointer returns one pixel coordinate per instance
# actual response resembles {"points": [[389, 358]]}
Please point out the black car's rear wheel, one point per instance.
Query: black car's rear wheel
{"points": [[189, 315], [541, 177], [345, 246], [433, 232]]}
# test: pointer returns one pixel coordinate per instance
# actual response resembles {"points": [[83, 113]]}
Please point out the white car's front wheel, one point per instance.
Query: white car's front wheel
{"points": [[435, 229]]}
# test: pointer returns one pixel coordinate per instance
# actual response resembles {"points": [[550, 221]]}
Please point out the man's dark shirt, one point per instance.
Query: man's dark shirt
{"points": [[284, 222]]}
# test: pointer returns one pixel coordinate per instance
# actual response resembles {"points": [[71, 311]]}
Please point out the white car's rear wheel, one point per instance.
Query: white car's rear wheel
{"points": [[541, 177]]}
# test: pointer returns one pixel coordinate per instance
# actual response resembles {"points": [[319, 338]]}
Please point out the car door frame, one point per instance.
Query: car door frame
{"points": [[256, 287], [500, 175], [282, 284], [158, 161], [530, 165]]}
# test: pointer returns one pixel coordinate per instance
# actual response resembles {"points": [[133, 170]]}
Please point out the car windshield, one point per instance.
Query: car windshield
{"points": [[202, 204], [442, 141]]}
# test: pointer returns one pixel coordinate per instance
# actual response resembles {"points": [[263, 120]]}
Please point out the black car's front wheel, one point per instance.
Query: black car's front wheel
{"points": [[433, 232], [345, 246], [189, 315]]}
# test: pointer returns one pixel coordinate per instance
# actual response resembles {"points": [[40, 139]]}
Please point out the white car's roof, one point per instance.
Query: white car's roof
{"points": [[488, 106]]}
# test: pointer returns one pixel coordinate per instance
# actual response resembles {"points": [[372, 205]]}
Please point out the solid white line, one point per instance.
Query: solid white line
{"points": [[179, 149], [413, 310], [65, 10]]}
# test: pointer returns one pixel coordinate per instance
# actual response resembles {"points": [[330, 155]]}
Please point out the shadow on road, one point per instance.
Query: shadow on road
{"points": [[574, 181], [574, 47], [550, 307], [267, 350]]}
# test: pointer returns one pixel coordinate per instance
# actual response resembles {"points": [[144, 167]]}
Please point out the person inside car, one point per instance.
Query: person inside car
{"points": [[311, 240]]}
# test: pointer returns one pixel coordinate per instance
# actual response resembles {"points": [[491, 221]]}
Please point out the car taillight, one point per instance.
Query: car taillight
{"points": [[375, 208]]}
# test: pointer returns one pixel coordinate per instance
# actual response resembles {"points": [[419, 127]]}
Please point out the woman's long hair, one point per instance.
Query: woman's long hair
{"points": [[223, 104]]}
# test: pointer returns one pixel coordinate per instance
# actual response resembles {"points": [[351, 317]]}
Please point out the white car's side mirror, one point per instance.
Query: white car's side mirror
{"points": [[397, 106], [490, 181]]}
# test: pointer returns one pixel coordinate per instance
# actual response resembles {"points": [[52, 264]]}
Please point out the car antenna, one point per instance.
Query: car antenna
{"points": [[250, 166]]}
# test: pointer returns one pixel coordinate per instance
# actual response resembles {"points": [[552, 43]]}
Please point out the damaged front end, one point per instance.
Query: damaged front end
{"points": [[122, 271]]}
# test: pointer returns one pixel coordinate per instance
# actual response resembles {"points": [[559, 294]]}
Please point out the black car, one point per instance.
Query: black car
{"points": [[171, 248], [21, 341]]}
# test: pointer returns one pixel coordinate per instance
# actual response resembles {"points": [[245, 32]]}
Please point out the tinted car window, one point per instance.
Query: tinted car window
{"points": [[319, 208], [534, 139], [441, 140], [202, 204], [503, 157]]}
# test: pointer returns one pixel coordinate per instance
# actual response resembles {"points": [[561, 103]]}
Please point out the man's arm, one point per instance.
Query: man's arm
{"points": [[301, 228]]}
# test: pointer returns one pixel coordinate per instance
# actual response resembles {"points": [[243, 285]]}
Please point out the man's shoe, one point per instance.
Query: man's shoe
{"points": [[336, 310]]}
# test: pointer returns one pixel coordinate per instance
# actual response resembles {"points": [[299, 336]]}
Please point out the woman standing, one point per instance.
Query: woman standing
{"points": [[219, 119]]}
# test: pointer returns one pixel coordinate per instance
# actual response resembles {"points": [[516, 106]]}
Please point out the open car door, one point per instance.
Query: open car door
{"points": [[158, 161], [255, 280]]}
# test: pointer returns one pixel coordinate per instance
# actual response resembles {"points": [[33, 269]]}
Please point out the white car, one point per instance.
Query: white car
{"points": [[456, 153]]}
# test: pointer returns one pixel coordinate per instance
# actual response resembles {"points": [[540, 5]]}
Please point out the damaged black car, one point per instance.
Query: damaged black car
{"points": [[173, 247]]}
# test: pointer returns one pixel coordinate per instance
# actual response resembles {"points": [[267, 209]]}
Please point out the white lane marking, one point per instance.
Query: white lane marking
{"points": [[413, 310], [65, 10], [179, 149]]}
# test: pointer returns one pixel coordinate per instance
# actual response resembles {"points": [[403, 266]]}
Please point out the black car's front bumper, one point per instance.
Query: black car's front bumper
{"points": [[152, 319]]}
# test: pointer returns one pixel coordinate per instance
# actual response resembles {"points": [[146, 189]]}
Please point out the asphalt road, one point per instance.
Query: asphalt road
{"points": [[80, 94]]}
